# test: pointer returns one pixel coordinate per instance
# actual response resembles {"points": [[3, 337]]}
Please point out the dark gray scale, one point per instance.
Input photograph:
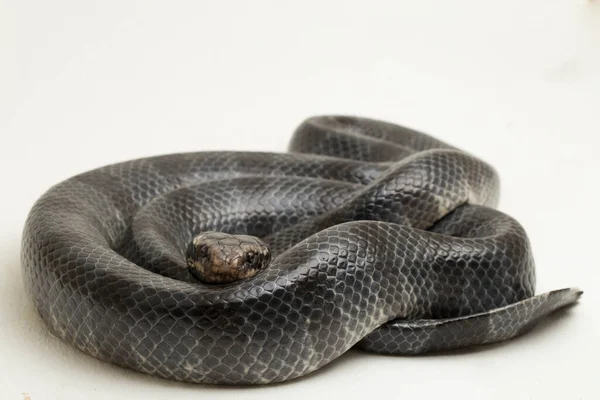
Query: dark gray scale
{"points": [[224, 267]]}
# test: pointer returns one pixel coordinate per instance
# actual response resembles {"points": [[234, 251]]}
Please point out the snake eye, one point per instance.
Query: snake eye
{"points": [[252, 260]]}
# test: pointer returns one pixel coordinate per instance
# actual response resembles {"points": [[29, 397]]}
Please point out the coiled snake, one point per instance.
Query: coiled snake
{"points": [[366, 233]]}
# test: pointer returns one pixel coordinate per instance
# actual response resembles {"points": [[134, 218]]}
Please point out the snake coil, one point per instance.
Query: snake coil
{"points": [[380, 237]]}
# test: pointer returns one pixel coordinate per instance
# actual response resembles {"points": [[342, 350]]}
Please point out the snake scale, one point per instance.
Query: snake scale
{"points": [[371, 235]]}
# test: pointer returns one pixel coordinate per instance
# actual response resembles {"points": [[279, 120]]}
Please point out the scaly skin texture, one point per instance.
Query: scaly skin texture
{"points": [[380, 236]]}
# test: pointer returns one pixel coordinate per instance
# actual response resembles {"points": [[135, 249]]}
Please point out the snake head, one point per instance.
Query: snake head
{"points": [[216, 257]]}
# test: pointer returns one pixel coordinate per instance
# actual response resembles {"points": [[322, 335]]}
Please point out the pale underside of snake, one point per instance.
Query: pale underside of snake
{"points": [[245, 267]]}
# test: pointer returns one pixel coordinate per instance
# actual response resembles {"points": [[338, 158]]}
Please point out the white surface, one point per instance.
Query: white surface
{"points": [[83, 84]]}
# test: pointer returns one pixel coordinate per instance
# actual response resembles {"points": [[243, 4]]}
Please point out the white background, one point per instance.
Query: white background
{"points": [[84, 83]]}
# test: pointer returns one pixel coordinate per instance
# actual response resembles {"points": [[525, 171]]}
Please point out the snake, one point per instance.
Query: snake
{"points": [[225, 267]]}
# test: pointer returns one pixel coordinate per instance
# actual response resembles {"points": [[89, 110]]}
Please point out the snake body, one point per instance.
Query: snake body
{"points": [[381, 237]]}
